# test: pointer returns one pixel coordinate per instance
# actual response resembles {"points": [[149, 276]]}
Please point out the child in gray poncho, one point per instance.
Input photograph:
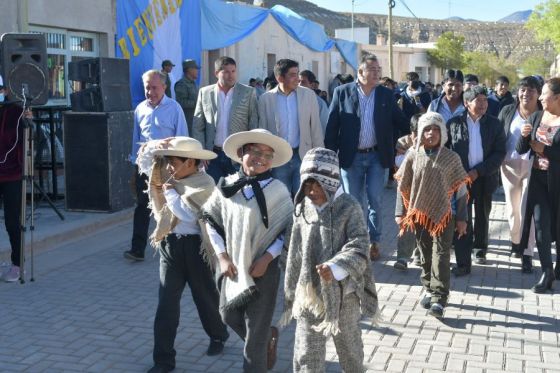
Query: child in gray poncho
{"points": [[328, 281]]}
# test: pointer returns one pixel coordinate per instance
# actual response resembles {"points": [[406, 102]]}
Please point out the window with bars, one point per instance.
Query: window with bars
{"points": [[63, 47]]}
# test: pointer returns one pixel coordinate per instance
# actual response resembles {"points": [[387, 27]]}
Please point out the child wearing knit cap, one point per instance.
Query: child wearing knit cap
{"points": [[430, 178], [328, 283]]}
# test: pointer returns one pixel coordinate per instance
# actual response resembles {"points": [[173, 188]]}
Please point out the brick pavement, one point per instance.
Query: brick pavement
{"points": [[91, 311]]}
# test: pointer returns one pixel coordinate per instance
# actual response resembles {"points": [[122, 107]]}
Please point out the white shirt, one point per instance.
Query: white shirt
{"points": [[224, 107], [275, 249], [367, 137], [188, 222], [288, 119], [513, 137], [476, 154]]}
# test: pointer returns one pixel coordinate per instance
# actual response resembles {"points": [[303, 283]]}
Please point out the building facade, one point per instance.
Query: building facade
{"points": [[73, 30]]}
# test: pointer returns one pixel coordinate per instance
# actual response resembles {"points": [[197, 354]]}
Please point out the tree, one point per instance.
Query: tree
{"points": [[536, 66], [448, 53], [488, 67], [545, 22]]}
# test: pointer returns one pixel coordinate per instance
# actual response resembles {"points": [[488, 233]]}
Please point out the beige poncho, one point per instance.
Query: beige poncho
{"points": [[427, 183], [194, 191]]}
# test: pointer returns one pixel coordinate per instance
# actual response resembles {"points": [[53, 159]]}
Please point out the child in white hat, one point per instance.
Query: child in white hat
{"points": [[177, 190]]}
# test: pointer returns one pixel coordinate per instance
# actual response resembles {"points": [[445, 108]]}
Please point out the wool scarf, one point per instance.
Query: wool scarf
{"points": [[427, 183], [194, 191]]}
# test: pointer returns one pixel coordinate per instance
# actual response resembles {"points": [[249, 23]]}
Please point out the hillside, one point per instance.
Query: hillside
{"points": [[509, 40]]}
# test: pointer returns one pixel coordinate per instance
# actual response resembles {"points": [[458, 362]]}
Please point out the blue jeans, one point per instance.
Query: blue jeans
{"points": [[289, 173], [366, 171], [221, 166]]}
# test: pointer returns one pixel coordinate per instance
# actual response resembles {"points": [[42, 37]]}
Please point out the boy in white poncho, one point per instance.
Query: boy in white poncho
{"points": [[246, 218], [328, 283]]}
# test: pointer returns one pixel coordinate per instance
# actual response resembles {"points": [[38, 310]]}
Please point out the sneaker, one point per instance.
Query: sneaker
{"points": [[215, 347], [426, 302], [436, 310], [12, 275], [374, 252], [134, 255], [401, 265]]}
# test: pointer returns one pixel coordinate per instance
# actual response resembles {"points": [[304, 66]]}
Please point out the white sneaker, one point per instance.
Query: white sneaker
{"points": [[12, 275]]}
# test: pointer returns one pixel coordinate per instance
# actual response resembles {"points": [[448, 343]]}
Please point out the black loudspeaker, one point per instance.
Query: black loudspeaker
{"points": [[24, 66], [97, 169], [107, 84]]}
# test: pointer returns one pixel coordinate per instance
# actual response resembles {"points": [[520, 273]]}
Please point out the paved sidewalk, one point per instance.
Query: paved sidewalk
{"points": [[89, 310]]}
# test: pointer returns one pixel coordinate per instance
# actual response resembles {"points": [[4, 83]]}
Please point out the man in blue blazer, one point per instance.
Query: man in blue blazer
{"points": [[362, 119]]}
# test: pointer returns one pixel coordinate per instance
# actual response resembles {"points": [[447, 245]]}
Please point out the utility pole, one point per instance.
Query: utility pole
{"points": [[352, 20], [390, 37]]}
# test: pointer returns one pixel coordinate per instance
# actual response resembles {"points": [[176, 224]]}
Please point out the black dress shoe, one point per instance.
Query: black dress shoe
{"points": [[134, 255], [545, 283], [160, 369], [527, 264], [215, 347], [461, 271]]}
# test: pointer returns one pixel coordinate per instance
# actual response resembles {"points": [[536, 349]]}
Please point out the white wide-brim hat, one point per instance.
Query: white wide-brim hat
{"points": [[186, 147], [282, 150]]}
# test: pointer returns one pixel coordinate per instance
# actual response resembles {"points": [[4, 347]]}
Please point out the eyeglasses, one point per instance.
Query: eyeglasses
{"points": [[258, 154]]}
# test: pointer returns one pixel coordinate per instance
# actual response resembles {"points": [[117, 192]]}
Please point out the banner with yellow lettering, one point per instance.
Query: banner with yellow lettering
{"points": [[151, 31]]}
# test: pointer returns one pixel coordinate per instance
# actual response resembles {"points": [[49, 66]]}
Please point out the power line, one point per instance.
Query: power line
{"points": [[410, 11]]}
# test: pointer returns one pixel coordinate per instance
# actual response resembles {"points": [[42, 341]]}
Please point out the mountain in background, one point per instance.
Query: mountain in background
{"points": [[517, 17], [455, 18], [507, 38]]}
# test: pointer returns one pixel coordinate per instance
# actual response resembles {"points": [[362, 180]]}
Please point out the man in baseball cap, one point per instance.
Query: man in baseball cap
{"points": [[186, 90], [166, 67]]}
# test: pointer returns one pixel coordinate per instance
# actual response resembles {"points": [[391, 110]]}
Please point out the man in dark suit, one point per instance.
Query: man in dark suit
{"points": [[480, 141], [362, 118]]}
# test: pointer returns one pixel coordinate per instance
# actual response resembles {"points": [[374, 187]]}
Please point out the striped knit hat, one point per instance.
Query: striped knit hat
{"points": [[321, 165]]}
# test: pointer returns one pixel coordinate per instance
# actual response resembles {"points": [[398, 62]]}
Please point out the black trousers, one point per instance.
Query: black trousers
{"points": [[141, 222], [182, 263], [538, 201], [476, 239], [11, 196]]}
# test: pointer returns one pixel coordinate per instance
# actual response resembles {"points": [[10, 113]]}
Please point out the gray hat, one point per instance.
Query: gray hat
{"points": [[187, 64], [321, 165]]}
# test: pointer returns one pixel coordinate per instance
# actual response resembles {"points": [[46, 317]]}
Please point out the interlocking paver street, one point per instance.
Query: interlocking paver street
{"points": [[89, 310]]}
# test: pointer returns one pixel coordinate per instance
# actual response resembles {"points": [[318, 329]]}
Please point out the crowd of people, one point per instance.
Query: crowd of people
{"points": [[248, 181], [275, 169]]}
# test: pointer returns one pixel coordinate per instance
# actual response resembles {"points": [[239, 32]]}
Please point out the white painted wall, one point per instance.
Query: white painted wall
{"points": [[251, 54]]}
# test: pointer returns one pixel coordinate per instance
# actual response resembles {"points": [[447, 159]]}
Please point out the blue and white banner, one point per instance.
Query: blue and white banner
{"points": [[150, 31]]}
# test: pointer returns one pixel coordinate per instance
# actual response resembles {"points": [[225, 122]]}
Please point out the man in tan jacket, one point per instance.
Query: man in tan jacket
{"points": [[291, 112]]}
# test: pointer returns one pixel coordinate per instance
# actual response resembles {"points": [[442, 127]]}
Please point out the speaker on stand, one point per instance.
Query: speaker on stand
{"points": [[24, 67]]}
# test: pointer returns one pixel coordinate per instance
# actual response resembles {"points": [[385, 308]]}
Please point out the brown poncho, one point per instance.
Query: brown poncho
{"points": [[427, 182]]}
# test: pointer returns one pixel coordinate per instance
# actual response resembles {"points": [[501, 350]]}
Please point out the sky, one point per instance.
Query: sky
{"points": [[489, 10]]}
